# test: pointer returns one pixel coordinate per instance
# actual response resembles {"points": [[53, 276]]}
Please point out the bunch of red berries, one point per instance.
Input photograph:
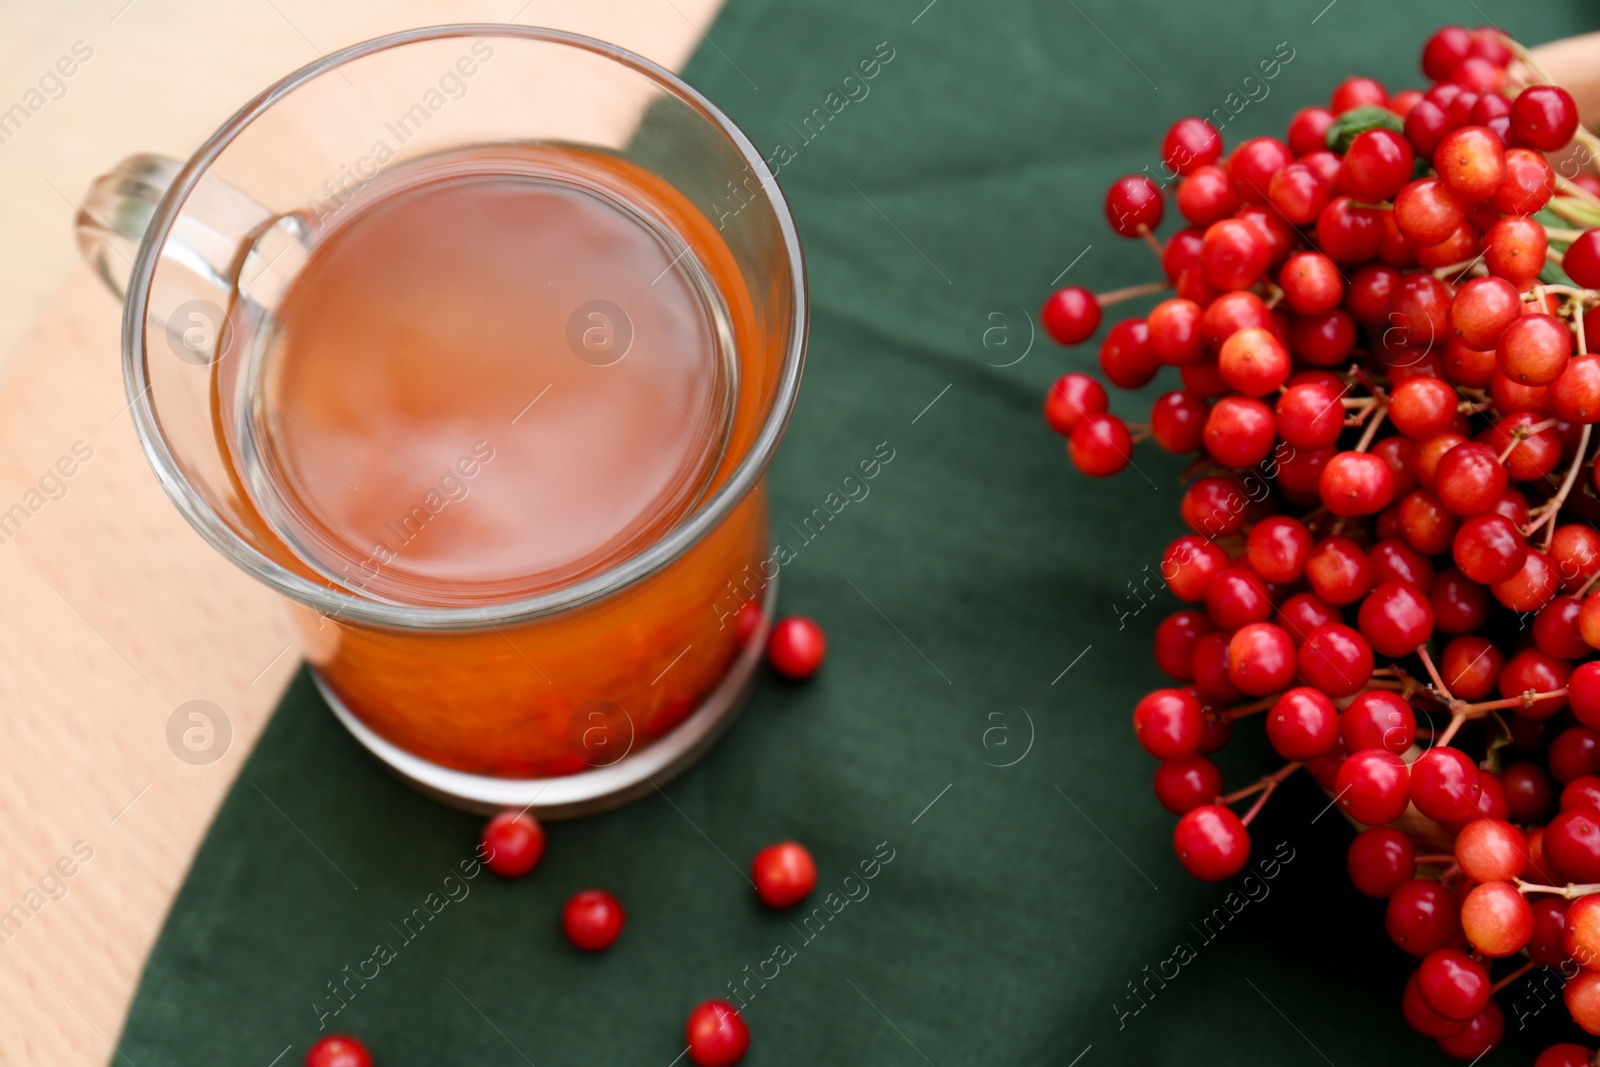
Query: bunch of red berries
{"points": [[1382, 325]]}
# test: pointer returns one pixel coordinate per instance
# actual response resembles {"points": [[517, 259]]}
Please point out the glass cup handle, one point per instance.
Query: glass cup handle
{"points": [[218, 227]]}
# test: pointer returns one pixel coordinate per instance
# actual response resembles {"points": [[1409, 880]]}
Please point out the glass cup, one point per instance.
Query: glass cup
{"points": [[584, 695]]}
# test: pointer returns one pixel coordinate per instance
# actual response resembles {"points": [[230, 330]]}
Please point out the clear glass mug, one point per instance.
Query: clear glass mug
{"points": [[568, 701]]}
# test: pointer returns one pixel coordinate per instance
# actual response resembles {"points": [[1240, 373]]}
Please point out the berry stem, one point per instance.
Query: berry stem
{"points": [[1265, 782], [1255, 809], [1150, 239], [1587, 586], [1552, 507], [1371, 431], [1524, 700], [1363, 406], [1570, 891], [1251, 708], [1247, 791], [1538, 292], [1512, 977], [1575, 192], [1579, 212], [1265, 787], [1456, 722], [1588, 140], [1315, 518], [1452, 269], [1438, 682], [1522, 433], [1408, 684], [1117, 296], [1441, 858]]}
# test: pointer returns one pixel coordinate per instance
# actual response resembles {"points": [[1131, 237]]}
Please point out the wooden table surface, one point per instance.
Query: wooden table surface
{"points": [[120, 612]]}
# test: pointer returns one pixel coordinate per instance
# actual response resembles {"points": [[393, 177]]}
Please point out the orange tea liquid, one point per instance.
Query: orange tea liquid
{"points": [[496, 374]]}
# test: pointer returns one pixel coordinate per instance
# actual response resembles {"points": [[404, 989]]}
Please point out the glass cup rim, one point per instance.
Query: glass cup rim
{"points": [[340, 605]]}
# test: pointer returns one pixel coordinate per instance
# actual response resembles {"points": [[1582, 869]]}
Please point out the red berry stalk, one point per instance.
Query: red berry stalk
{"points": [[1385, 330]]}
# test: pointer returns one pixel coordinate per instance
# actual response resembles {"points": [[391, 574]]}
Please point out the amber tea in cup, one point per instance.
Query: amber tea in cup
{"points": [[492, 407]]}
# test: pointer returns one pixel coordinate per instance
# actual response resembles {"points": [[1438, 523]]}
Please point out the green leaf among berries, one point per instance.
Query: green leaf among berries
{"points": [[1359, 120]]}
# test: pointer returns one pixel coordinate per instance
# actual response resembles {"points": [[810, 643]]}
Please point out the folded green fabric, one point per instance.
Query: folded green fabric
{"points": [[989, 616]]}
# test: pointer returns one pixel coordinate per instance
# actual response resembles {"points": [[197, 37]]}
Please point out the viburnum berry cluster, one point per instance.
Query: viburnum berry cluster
{"points": [[1385, 329]]}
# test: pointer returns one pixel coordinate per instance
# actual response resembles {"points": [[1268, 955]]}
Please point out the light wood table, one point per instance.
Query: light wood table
{"points": [[120, 612]]}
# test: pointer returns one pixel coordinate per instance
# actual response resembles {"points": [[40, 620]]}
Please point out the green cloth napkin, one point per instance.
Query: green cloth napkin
{"points": [[968, 741]]}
